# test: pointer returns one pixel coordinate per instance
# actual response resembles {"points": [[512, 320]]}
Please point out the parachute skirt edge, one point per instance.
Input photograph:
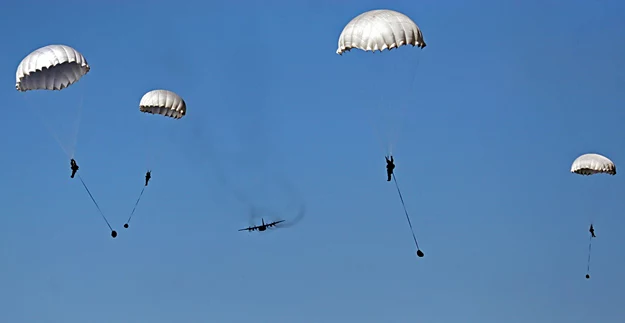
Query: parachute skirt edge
{"points": [[588, 172], [53, 78], [347, 48], [162, 111]]}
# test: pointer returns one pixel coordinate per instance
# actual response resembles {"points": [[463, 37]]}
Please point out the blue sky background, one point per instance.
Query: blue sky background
{"points": [[507, 95]]}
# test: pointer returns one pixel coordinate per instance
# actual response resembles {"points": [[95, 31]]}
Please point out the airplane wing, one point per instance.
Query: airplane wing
{"points": [[274, 223], [249, 229]]}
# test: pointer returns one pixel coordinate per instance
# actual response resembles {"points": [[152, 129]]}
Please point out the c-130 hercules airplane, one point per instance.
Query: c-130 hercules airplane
{"points": [[261, 227]]}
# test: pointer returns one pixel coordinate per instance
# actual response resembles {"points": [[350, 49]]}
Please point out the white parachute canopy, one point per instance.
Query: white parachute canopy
{"points": [[163, 102], [590, 164], [53, 67], [379, 30]]}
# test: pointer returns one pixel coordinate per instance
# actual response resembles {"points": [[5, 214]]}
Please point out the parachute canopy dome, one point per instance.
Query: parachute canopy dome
{"points": [[163, 102], [53, 67], [380, 30], [590, 164]]}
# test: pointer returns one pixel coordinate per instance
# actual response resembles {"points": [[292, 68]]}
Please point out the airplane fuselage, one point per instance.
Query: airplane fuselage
{"points": [[262, 228]]}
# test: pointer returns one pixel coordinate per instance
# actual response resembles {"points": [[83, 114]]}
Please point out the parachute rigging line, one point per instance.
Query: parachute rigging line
{"points": [[405, 211], [393, 128], [70, 153], [589, 253], [94, 202], [77, 124], [135, 207], [394, 137], [49, 129]]}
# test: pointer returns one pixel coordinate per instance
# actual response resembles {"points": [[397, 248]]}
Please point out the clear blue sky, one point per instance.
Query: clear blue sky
{"points": [[507, 95]]}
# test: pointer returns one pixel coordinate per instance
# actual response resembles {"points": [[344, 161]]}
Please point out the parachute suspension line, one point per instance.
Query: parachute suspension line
{"points": [[378, 136], [396, 131], [48, 128], [590, 210], [389, 140], [146, 143], [405, 211], [94, 202], [589, 253], [150, 150], [136, 203], [385, 147], [152, 135], [77, 125], [374, 123], [384, 137]]}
